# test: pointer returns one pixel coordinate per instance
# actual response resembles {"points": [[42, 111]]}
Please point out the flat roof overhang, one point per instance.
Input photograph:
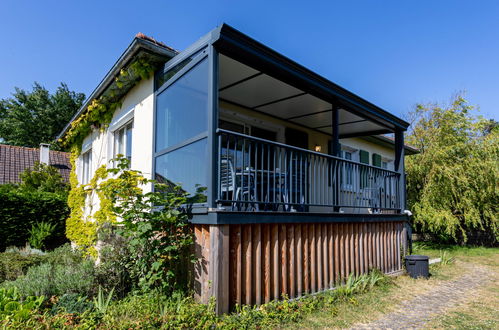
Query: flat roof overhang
{"points": [[246, 50]]}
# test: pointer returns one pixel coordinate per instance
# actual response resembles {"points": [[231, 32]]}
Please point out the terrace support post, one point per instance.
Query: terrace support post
{"points": [[336, 151], [212, 127], [219, 266], [400, 168]]}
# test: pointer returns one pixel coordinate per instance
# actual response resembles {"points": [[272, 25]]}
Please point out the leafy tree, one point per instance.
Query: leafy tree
{"points": [[30, 118], [43, 177], [452, 183]]}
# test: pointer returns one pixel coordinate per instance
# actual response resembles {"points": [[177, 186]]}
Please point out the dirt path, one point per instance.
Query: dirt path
{"points": [[415, 313]]}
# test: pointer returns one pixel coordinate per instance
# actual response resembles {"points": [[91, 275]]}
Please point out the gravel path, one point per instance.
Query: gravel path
{"points": [[416, 312]]}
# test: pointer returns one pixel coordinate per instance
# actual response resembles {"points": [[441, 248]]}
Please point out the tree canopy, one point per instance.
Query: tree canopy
{"points": [[29, 118], [452, 183]]}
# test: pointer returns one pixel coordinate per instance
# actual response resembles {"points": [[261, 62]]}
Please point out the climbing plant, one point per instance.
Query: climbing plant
{"points": [[82, 227]]}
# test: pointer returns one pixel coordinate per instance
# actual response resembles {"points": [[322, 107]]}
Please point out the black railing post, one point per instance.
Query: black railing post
{"points": [[213, 164], [336, 151], [399, 168]]}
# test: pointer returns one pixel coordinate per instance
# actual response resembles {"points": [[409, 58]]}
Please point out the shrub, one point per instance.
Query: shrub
{"points": [[39, 233], [21, 209], [15, 262], [62, 271], [155, 227]]}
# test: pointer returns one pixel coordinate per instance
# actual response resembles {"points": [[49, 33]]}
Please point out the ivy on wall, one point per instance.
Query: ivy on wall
{"points": [[82, 229]]}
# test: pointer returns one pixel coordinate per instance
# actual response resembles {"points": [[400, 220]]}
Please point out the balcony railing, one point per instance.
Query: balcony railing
{"points": [[260, 175]]}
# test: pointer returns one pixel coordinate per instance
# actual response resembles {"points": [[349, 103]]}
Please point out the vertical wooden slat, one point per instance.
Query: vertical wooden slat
{"points": [[234, 270], [306, 258], [361, 248], [248, 254], [198, 269], [370, 245], [383, 233], [219, 266], [284, 259], [299, 260], [291, 260], [331, 255], [275, 261], [346, 257], [206, 256], [366, 247], [392, 248], [399, 247], [378, 245], [257, 269], [313, 258], [356, 236], [318, 232], [267, 263], [325, 256], [352, 248], [343, 251], [337, 274]]}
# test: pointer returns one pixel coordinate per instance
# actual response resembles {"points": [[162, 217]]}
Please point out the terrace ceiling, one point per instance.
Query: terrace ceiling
{"points": [[253, 89]]}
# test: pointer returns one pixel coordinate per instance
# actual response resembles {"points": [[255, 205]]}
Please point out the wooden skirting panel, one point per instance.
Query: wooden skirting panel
{"points": [[272, 261]]}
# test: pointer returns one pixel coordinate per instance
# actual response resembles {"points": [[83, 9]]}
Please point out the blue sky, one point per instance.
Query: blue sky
{"points": [[393, 53]]}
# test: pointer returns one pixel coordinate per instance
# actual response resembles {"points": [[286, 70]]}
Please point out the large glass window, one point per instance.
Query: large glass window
{"points": [[185, 167], [181, 110]]}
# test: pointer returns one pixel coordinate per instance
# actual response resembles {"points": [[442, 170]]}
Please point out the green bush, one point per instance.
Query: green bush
{"points": [[20, 209], [15, 262], [63, 271]]}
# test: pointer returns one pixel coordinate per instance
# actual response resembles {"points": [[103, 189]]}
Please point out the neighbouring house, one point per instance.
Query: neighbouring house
{"points": [[295, 184], [15, 160]]}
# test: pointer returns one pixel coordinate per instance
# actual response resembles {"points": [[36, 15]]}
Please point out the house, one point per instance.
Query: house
{"points": [[14, 160], [295, 184]]}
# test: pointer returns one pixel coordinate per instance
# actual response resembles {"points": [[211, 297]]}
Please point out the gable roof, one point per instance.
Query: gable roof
{"points": [[14, 160], [141, 46], [389, 142]]}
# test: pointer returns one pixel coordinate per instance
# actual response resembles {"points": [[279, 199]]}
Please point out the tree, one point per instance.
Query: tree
{"points": [[43, 178], [452, 183], [30, 118]]}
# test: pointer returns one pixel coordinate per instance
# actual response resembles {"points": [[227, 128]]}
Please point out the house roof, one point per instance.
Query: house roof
{"points": [[141, 46], [14, 160]]}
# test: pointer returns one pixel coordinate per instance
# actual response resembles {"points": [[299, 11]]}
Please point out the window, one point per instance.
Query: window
{"points": [[185, 167], [181, 111], [86, 165], [348, 168], [384, 165], [181, 133], [123, 141]]}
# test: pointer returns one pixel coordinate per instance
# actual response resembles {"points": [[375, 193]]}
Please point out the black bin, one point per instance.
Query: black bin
{"points": [[417, 266]]}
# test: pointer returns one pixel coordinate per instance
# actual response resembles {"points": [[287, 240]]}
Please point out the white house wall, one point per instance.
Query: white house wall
{"points": [[136, 105]]}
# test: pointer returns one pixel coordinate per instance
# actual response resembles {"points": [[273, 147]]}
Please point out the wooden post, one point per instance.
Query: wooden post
{"points": [[399, 166], [219, 266]]}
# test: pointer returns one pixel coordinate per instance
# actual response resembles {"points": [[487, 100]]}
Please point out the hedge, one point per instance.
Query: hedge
{"points": [[20, 209]]}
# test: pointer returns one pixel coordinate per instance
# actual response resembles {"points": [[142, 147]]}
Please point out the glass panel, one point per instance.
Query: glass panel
{"points": [[182, 108], [165, 76], [128, 153], [185, 167]]}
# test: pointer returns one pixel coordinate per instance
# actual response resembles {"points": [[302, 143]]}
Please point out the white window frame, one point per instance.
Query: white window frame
{"points": [[128, 126], [86, 166]]}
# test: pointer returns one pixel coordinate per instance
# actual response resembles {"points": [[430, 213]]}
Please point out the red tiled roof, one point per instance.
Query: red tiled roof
{"points": [[140, 35], [14, 160]]}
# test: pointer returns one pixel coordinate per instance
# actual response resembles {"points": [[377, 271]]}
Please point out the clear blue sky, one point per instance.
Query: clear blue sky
{"points": [[393, 53]]}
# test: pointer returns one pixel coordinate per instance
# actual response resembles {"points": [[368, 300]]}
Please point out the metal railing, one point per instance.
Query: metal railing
{"points": [[260, 175]]}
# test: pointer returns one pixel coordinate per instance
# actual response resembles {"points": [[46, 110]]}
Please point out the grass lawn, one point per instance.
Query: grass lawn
{"points": [[479, 311]]}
